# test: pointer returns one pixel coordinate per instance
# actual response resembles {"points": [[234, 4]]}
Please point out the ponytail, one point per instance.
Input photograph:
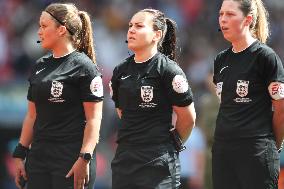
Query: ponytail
{"points": [[168, 46], [259, 26], [261, 29], [86, 43], [77, 23]]}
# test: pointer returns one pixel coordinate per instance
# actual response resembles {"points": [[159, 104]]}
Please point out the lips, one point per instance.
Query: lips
{"points": [[131, 38], [224, 28]]}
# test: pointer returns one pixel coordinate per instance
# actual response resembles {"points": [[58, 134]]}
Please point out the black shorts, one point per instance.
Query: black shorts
{"points": [[146, 168], [246, 164], [48, 163]]}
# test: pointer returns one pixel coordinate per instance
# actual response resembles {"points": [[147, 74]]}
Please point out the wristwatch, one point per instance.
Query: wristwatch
{"points": [[86, 156]]}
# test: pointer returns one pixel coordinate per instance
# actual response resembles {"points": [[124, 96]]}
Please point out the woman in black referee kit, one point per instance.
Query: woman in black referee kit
{"points": [[146, 88], [249, 79], [64, 105]]}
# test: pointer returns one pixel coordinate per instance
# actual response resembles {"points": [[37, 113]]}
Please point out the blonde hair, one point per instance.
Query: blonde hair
{"points": [[260, 25], [77, 23]]}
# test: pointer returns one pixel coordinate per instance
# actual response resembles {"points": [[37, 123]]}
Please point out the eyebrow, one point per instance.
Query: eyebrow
{"points": [[60, 22], [136, 23]]}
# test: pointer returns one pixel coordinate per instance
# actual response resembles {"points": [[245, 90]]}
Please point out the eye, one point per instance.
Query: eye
{"points": [[231, 14]]}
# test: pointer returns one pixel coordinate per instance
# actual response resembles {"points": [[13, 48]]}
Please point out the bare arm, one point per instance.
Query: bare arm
{"points": [[278, 121], [185, 120], [28, 124], [80, 169], [93, 113], [25, 139]]}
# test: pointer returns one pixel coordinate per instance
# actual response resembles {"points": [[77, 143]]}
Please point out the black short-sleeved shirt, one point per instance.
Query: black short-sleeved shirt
{"points": [[58, 87], [146, 92], [242, 81]]}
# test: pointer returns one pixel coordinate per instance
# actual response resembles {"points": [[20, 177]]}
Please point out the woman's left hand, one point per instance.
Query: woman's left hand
{"points": [[80, 170]]}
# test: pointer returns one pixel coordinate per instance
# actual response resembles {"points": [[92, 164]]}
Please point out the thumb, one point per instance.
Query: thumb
{"points": [[70, 173], [24, 174], [87, 179]]}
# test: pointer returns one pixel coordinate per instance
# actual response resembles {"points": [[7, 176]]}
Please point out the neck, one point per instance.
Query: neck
{"points": [[144, 55], [62, 50], [241, 44]]}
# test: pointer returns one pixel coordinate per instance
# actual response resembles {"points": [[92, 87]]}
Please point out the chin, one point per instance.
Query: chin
{"points": [[227, 38], [131, 47], [44, 46]]}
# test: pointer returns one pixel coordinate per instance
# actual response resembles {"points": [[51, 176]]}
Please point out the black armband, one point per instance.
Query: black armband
{"points": [[20, 151], [177, 140]]}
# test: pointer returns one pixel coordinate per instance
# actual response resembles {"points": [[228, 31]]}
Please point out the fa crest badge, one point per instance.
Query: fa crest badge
{"points": [[147, 93], [242, 88], [56, 89]]}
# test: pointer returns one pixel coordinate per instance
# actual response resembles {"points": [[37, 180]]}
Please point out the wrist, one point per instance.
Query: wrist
{"points": [[20, 151], [86, 156]]}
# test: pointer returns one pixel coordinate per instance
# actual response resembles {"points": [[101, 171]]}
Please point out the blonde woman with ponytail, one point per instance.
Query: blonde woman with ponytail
{"points": [[249, 79], [56, 148]]}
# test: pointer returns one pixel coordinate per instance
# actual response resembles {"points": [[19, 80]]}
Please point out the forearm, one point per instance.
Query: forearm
{"points": [[278, 127], [27, 130], [91, 135], [184, 127], [185, 121]]}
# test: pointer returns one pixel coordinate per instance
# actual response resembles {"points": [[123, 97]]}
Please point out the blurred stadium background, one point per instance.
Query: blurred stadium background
{"points": [[198, 39]]}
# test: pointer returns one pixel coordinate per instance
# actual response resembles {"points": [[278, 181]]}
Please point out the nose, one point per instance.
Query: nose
{"points": [[39, 32], [131, 29], [222, 18]]}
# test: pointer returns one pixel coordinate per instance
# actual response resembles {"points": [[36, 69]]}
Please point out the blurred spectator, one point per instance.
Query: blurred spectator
{"points": [[192, 161]]}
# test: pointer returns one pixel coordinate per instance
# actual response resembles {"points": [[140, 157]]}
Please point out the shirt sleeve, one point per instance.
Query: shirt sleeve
{"points": [[274, 71], [215, 63], [113, 86], [176, 86], [30, 96], [91, 84]]}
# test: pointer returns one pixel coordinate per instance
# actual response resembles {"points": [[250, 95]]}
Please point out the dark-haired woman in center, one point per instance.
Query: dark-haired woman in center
{"points": [[147, 88]]}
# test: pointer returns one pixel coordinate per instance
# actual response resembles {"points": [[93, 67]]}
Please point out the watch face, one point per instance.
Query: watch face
{"points": [[87, 156]]}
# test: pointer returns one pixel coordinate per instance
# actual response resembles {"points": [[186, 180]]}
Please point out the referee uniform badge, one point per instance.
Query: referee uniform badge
{"points": [[242, 88], [147, 93], [56, 89]]}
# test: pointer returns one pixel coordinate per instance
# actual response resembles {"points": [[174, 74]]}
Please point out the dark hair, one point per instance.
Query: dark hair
{"points": [[77, 23], [259, 26], [167, 44]]}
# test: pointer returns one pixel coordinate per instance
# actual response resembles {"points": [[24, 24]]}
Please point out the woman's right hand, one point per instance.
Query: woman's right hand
{"points": [[20, 171]]}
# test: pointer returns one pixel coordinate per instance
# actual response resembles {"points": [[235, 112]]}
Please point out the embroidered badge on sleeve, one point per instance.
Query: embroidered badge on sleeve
{"points": [[276, 90], [96, 86], [180, 84]]}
